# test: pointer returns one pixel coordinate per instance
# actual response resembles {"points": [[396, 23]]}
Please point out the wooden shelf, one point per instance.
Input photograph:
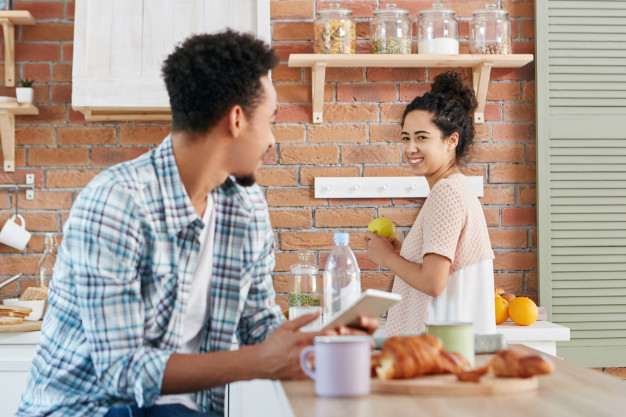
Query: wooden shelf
{"points": [[8, 19], [93, 114], [481, 70], [8, 110]]}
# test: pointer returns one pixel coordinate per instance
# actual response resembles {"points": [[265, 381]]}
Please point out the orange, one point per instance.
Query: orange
{"points": [[523, 311], [508, 296], [502, 310]]}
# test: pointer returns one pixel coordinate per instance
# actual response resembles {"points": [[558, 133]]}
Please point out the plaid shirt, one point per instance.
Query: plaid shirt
{"points": [[121, 281]]}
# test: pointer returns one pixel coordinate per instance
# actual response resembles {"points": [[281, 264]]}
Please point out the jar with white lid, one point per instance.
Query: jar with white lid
{"points": [[490, 31], [334, 31], [437, 31], [390, 31]]}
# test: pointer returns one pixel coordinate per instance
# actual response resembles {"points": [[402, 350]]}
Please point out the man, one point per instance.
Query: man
{"points": [[167, 259]]}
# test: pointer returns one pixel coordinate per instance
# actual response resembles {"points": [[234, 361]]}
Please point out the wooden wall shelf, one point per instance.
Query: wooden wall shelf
{"points": [[8, 19], [481, 70], [8, 110]]}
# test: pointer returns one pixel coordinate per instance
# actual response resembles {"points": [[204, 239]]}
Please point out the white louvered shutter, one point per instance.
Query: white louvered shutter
{"points": [[581, 144]]}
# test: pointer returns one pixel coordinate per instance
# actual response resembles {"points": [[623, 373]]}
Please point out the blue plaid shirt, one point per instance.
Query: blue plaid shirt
{"points": [[121, 281]]}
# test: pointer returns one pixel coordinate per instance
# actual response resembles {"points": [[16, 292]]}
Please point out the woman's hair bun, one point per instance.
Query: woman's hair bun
{"points": [[451, 85]]}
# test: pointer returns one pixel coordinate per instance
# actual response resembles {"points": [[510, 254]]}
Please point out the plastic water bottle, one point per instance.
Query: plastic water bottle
{"points": [[342, 277]]}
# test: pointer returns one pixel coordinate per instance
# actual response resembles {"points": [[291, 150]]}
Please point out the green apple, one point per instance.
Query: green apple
{"points": [[383, 227]]}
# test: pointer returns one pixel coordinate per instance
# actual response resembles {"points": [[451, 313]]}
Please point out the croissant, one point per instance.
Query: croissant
{"points": [[510, 364], [408, 357]]}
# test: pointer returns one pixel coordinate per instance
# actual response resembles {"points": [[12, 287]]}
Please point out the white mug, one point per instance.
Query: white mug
{"points": [[342, 365], [15, 235]]}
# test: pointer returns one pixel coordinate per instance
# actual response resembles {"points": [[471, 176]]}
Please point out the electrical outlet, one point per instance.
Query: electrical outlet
{"points": [[30, 179]]}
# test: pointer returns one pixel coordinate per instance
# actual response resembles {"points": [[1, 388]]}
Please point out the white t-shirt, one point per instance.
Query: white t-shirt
{"points": [[199, 301]]}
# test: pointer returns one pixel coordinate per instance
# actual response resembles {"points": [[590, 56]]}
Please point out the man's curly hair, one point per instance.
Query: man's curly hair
{"points": [[207, 75]]}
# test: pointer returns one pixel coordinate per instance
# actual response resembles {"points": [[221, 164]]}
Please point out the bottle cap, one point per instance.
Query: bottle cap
{"points": [[342, 238]]}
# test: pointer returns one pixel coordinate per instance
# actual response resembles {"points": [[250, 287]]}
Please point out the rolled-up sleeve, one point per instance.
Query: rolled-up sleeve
{"points": [[106, 241]]}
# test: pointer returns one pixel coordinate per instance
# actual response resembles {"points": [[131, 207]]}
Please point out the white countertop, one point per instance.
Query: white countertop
{"points": [[539, 331], [20, 338]]}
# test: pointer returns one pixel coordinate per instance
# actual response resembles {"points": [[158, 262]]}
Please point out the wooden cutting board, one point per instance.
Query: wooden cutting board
{"points": [[449, 385], [25, 326]]}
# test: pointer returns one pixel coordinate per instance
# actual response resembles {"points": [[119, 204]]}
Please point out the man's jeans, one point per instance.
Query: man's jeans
{"points": [[166, 410]]}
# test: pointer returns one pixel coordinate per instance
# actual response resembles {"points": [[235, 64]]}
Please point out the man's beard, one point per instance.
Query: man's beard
{"points": [[246, 181]]}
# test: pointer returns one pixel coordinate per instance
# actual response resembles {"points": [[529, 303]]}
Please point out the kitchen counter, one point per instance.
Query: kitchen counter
{"points": [[572, 391], [17, 351], [541, 335]]}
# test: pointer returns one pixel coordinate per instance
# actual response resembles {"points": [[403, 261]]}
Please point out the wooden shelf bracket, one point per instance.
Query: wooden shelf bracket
{"points": [[7, 129], [481, 74], [318, 77], [9, 19]]}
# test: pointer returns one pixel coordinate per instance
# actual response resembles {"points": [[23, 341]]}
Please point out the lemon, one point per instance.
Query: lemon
{"points": [[383, 227]]}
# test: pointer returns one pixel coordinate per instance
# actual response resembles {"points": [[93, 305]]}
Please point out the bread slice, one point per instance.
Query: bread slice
{"points": [[34, 293], [23, 310], [10, 320], [6, 313]]}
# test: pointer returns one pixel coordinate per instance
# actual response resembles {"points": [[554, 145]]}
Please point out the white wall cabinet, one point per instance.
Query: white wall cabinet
{"points": [[119, 47]]}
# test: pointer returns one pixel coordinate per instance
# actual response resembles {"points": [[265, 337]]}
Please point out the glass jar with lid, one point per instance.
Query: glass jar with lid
{"points": [[390, 31], [334, 31], [490, 31], [305, 288], [437, 31]]}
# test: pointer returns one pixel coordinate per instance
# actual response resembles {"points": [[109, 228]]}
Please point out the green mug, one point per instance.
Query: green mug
{"points": [[456, 337]]}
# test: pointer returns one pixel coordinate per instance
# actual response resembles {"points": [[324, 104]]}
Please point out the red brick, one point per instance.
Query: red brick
{"points": [[343, 113], [283, 73], [19, 176], [320, 133], [385, 133], [61, 93], [514, 132], [498, 195], [78, 135], [12, 265], [531, 153], [391, 112], [308, 174], [370, 154], [363, 8], [492, 216], [284, 260], [407, 201], [344, 202], [34, 135], [322, 154], [4, 200], [503, 91], [37, 52], [396, 74], [387, 171], [284, 49], [48, 32], [341, 75], [363, 31], [515, 261], [70, 178], [69, 10], [493, 112], [281, 177], [527, 195], [288, 133], [322, 240], [41, 94], [512, 174], [519, 216], [508, 238], [533, 238], [382, 281], [143, 135], [361, 257], [532, 283], [112, 156], [41, 10], [58, 157], [292, 197], [481, 152], [473, 170], [367, 92], [292, 31], [350, 217], [291, 219], [38, 72], [525, 73], [409, 91], [76, 117], [68, 52], [528, 91], [47, 115], [47, 200], [41, 222], [294, 113], [270, 157], [400, 216], [482, 132], [527, 28], [300, 93], [291, 10], [519, 112], [510, 282]]}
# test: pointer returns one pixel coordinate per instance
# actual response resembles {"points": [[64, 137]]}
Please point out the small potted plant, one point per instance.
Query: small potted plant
{"points": [[24, 92]]}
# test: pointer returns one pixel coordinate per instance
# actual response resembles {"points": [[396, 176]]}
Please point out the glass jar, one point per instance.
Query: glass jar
{"points": [[490, 31], [437, 31], [390, 31], [334, 31], [305, 288]]}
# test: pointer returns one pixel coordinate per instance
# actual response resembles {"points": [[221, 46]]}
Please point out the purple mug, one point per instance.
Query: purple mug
{"points": [[342, 365]]}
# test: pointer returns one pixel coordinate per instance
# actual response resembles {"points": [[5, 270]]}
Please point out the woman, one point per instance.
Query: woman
{"points": [[444, 270]]}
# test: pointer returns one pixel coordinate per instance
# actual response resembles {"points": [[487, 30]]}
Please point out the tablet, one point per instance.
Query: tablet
{"points": [[372, 303]]}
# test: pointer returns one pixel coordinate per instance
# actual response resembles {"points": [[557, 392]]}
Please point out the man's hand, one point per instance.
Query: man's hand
{"points": [[279, 354], [367, 326]]}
